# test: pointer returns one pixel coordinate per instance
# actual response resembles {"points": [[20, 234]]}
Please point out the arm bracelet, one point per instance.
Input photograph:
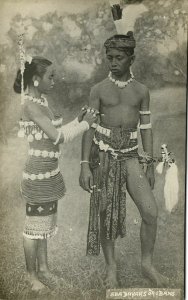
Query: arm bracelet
{"points": [[94, 125], [70, 131], [144, 112], [84, 161], [145, 126], [58, 138]]}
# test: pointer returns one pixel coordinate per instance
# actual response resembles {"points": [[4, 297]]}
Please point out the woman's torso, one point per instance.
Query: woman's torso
{"points": [[42, 180]]}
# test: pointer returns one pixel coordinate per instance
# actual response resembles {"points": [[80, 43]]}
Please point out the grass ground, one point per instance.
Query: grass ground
{"points": [[67, 249]]}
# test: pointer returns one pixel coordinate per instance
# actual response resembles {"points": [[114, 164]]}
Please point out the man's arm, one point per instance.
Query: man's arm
{"points": [[86, 178], [146, 134]]}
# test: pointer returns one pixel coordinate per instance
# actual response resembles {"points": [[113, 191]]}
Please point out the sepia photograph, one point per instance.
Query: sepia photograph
{"points": [[93, 149]]}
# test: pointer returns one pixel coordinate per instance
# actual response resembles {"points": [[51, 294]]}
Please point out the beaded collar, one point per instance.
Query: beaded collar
{"points": [[42, 101], [121, 84], [33, 131]]}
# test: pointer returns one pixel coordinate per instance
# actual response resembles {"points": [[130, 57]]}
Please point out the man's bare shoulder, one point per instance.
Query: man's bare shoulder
{"points": [[100, 85], [141, 88]]}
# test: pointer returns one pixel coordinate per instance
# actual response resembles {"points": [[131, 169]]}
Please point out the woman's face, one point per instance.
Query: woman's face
{"points": [[46, 83]]}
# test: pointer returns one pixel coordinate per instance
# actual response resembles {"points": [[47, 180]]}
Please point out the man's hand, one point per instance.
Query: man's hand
{"points": [[150, 176], [86, 179]]}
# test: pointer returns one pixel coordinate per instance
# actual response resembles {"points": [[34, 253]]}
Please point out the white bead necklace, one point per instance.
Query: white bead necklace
{"points": [[121, 84], [42, 101]]}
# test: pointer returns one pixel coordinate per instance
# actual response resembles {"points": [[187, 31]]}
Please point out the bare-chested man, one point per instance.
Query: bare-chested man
{"points": [[110, 164]]}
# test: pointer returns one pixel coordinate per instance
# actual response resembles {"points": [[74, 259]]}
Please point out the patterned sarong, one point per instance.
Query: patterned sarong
{"points": [[110, 150]]}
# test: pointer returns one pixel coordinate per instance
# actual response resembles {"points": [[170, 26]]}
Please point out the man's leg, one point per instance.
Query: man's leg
{"points": [[30, 249], [140, 191], [108, 250]]}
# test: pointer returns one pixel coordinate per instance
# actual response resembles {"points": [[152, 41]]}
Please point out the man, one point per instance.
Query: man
{"points": [[110, 162]]}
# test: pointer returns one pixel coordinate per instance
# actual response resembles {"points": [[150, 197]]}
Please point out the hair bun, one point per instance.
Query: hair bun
{"points": [[18, 82], [130, 34]]}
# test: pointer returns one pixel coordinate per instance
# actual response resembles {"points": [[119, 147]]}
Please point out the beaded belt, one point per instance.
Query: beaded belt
{"points": [[114, 152], [44, 153], [103, 130], [41, 176], [106, 131]]}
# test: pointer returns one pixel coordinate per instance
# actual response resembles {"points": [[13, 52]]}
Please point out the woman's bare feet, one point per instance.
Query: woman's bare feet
{"points": [[111, 277], [49, 279], [158, 279], [36, 284]]}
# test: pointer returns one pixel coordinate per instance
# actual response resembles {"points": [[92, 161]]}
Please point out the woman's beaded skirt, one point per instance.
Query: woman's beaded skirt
{"points": [[41, 220], [42, 184], [47, 184]]}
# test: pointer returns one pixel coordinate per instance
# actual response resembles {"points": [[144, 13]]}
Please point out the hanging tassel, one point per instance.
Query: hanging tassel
{"points": [[171, 187], [159, 167]]}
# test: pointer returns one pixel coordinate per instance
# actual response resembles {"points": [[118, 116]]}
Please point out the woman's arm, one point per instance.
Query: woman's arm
{"points": [[34, 112], [64, 134]]}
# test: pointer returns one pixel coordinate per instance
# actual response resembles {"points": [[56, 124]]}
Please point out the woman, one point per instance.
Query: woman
{"points": [[42, 183]]}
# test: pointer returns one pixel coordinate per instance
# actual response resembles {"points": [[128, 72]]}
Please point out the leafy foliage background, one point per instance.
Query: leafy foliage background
{"points": [[74, 42]]}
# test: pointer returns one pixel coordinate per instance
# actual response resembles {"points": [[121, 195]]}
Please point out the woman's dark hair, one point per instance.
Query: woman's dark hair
{"points": [[38, 66]]}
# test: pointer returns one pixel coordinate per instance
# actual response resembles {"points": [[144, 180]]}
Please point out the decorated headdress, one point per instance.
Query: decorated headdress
{"points": [[124, 37], [124, 17], [121, 41]]}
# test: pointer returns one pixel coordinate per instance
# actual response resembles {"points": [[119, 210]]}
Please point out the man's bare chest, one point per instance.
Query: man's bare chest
{"points": [[119, 97]]}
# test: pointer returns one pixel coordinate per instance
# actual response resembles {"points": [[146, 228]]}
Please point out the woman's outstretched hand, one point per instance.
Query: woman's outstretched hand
{"points": [[88, 114]]}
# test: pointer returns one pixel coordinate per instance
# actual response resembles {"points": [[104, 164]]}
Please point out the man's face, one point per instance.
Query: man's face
{"points": [[118, 61]]}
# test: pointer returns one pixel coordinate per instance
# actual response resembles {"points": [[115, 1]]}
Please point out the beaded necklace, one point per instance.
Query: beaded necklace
{"points": [[42, 101], [121, 84]]}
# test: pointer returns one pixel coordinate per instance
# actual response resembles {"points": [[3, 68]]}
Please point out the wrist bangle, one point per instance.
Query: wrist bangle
{"points": [[84, 124], [84, 161], [58, 138]]}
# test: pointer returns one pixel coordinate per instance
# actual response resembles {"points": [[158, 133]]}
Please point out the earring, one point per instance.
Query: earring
{"points": [[130, 69], [36, 83]]}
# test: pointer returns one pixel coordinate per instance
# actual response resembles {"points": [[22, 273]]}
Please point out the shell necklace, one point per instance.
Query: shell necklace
{"points": [[121, 84], [42, 101]]}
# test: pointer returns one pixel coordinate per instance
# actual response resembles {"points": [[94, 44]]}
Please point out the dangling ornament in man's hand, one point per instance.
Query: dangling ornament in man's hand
{"points": [[171, 187]]}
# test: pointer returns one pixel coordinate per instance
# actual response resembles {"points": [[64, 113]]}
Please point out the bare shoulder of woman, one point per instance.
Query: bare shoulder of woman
{"points": [[32, 111]]}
